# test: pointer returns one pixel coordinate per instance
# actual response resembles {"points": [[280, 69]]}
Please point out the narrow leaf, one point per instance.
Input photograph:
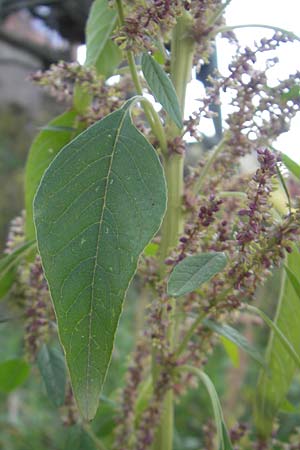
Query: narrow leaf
{"points": [[51, 363], [8, 266], [227, 445], [162, 88], [237, 338], [293, 280], [99, 204], [223, 436], [193, 271], [292, 166], [279, 334], [13, 373], [282, 362], [101, 22], [43, 149]]}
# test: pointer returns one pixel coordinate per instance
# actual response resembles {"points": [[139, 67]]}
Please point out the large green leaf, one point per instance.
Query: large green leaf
{"points": [[99, 204], [101, 21], [234, 336], [52, 367], [162, 88], [8, 266], [192, 271], [13, 373], [282, 357], [44, 148]]}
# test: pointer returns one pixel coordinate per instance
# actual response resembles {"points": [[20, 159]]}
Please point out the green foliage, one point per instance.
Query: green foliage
{"points": [[13, 373], [52, 367], [223, 437], [162, 88], [193, 271], [43, 150], [90, 245], [79, 439], [109, 59], [100, 24], [293, 167], [282, 355], [237, 338]]}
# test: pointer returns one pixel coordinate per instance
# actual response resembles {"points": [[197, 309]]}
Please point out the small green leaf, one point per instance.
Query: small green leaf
{"points": [[13, 373], [162, 88], [193, 271], [151, 249], [237, 338], [51, 363], [81, 99], [287, 407], [232, 351], [43, 149], [109, 59], [159, 57], [101, 22], [98, 205], [8, 266], [292, 166]]}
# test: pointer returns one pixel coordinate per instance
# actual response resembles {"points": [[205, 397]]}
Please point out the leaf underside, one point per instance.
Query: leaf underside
{"points": [[99, 204], [100, 24], [192, 271]]}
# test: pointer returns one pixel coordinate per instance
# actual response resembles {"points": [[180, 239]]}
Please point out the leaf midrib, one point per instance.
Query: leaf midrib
{"points": [[194, 275], [98, 248]]}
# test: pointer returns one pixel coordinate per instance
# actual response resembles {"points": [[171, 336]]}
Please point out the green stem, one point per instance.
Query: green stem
{"points": [[189, 335], [233, 194], [226, 28], [182, 49], [204, 172], [151, 115]]}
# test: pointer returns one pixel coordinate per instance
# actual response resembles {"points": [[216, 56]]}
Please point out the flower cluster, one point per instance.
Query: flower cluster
{"points": [[260, 113], [38, 310], [146, 20], [63, 78], [125, 436]]}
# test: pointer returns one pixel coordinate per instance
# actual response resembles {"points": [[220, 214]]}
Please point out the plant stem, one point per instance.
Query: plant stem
{"points": [[182, 49], [204, 172], [151, 115], [189, 335]]}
